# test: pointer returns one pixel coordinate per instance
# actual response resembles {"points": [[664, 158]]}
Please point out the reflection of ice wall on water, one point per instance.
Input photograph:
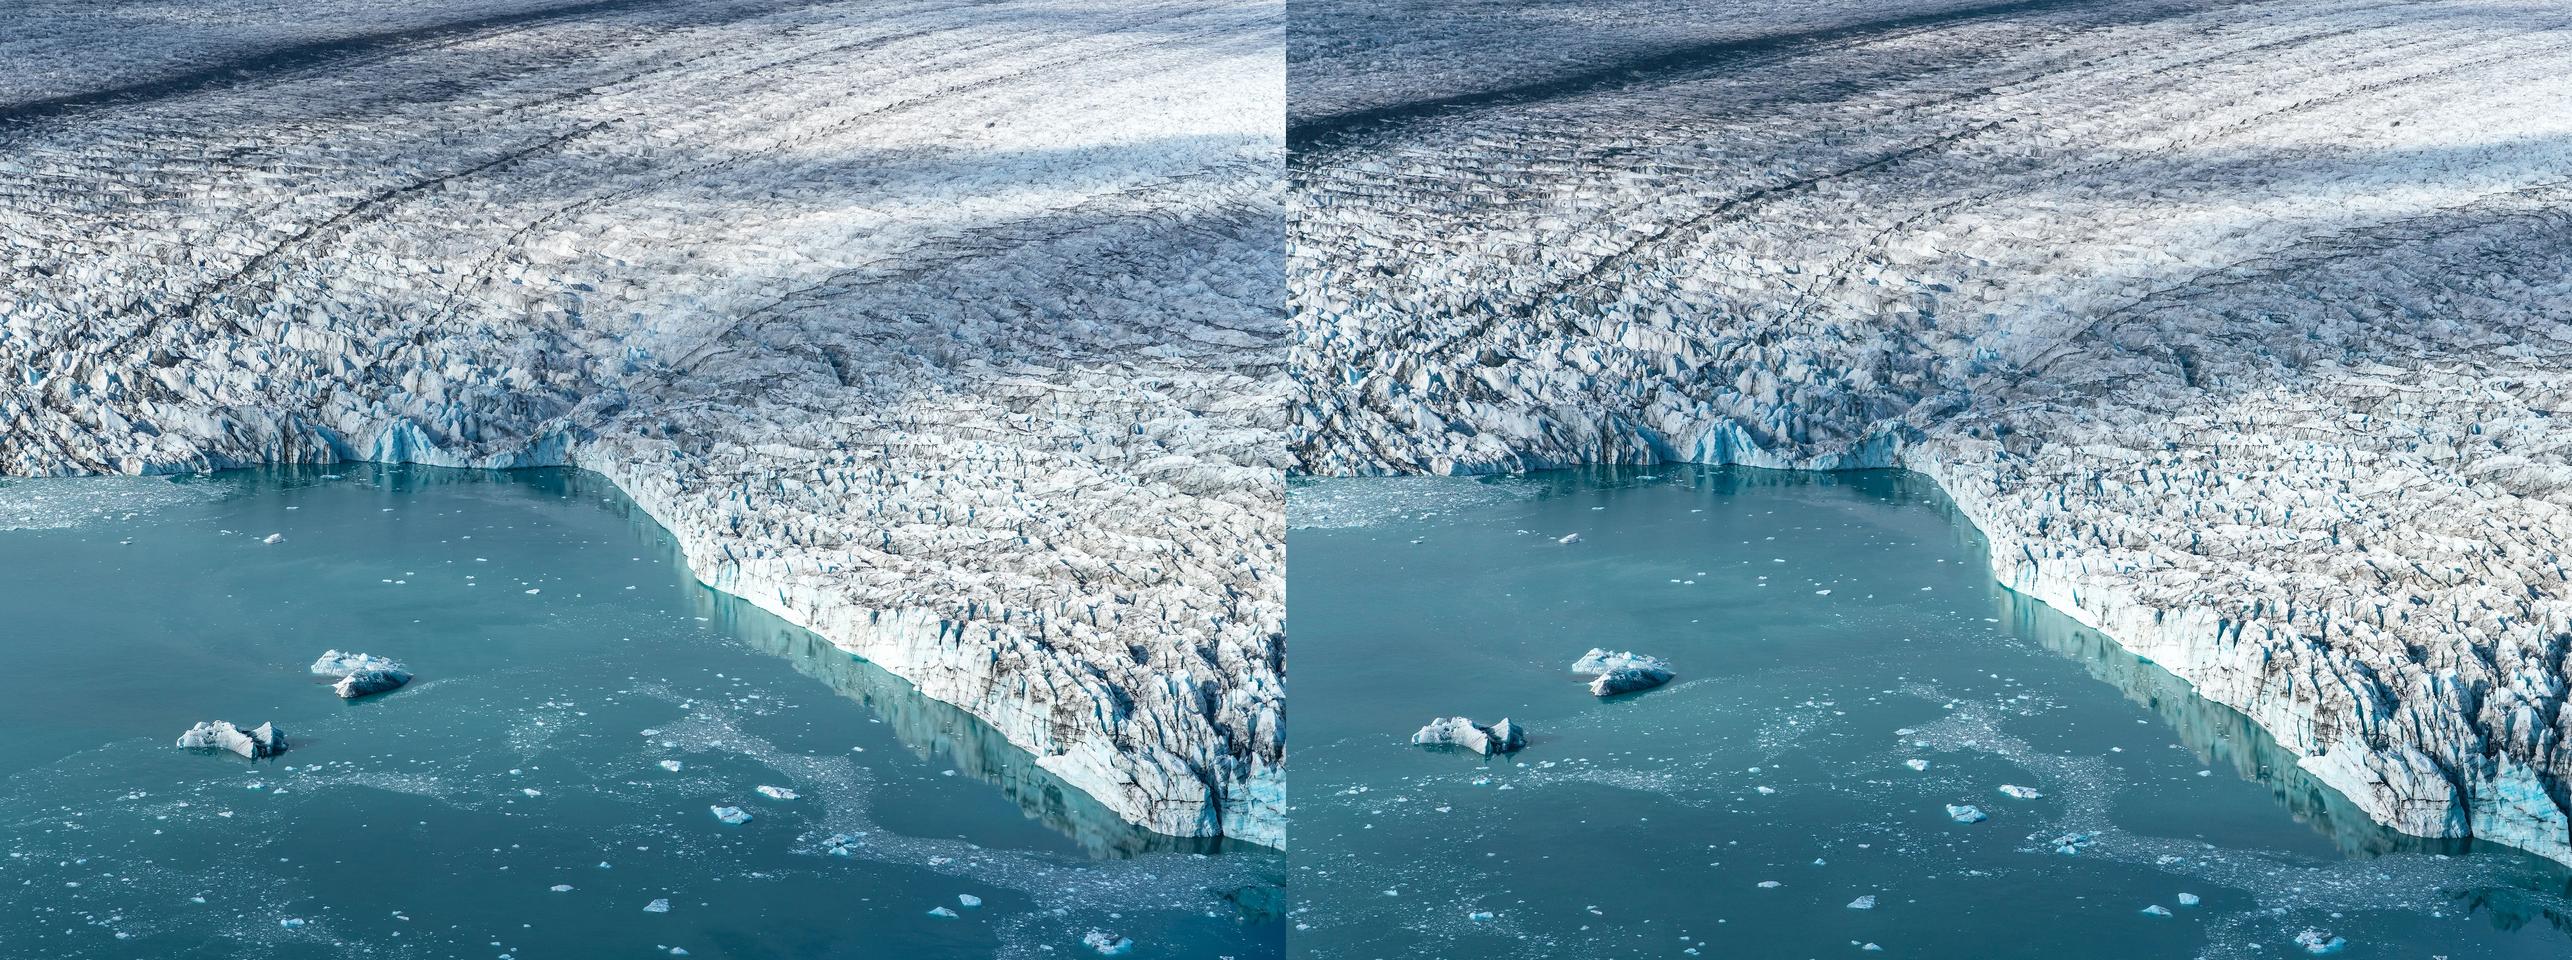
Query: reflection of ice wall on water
{"points": [[57, 503]]}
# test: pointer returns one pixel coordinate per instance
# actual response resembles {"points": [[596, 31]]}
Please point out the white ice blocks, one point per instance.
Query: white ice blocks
{"points": [[1501, 737], [2259, 376], [986, 394], [1621, 673], [264, 740]]}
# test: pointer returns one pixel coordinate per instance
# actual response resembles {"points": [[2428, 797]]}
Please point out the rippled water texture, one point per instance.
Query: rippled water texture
{"points": [[1827, 631], [514, 800]]}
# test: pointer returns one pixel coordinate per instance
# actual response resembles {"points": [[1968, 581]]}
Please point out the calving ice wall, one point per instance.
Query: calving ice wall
{"points": [[965, 358], [2223, 351]]}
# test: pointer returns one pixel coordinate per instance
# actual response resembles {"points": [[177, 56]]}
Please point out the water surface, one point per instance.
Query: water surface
{"points": [[1828, 630], [563, 654]]}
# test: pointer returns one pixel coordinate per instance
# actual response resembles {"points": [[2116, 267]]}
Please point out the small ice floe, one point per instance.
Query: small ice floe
{"points": [[1502, 737], [2155, 910], [1863, 903], [1479, 916], [1616, 672], [265, 740], [2023, 793], [732, 815], [777, 793], [1916, 763], [360, 674], [1770, 884], [273, 538], [292, 923], [1966, 813], [671, 765], [657, 906], [2189, 900], [942, 912], [367, 683], [2317, 941], [968, 901], [1570, 538], [840, 845], [2071, 843], [1107, 944], [562, 888]]}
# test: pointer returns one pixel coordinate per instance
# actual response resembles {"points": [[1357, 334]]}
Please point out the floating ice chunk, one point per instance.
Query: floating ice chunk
{"points": [[1627, 680], [1769, 884], [671, 765], [562, 888], [942, 912], [1478, 916], [1600, 660], [777, 793], [1916, 763], [292, 923], [657, 906], [1863, 903], [366, 683], [2188, 900], [336, 664], [732, 815], [1107, 944], [840, 845], [2071, 843], [2023, 793], [273, 538], [2156, 910], [2316, 941], [1570, 538], [968, 900], [1967, 813], [263, 741], [1501, 737]]}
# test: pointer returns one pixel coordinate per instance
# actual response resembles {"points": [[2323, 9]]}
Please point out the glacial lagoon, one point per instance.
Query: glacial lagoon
{"points": [[518, 799], [1846, 670]]}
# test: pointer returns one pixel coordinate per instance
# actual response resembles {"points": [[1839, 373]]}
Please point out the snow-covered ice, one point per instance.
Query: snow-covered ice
{"points": [[264, 740], [2226, 352], [969, 363]]}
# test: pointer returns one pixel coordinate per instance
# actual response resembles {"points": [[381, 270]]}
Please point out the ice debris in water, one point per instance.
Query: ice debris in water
{"points": [[942, 912], [657, 906], [2023, 793], [292, 923], [1916, 763], [1570, 538], [671, 765], [2156, 910], [2188, 900], [840, 845], [1967, 813], [1107, 944], [732, 815], [1502, 737], [1863, 903], [2318, 941], [273, 538], [263, 741], [968, 900], [2071, 843], [777, 793], [562, 888]]}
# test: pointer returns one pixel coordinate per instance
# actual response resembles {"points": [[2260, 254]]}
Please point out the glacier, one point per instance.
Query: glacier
{"points": [[2241, 332], [952, 333]]}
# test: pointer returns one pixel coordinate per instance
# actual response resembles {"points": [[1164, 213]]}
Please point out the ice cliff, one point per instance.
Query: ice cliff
{"points": [[951, 332], [2243, 332]]}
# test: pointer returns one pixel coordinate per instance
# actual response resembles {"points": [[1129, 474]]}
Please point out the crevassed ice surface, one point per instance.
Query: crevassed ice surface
{"points": [[1826, 629], [563, 653]]}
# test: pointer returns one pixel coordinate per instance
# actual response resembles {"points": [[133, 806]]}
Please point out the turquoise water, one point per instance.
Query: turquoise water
{"points": [[563, 652], [1826, 630]]}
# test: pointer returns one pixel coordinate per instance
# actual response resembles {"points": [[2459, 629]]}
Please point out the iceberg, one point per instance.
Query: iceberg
{"points": [[1501, 737], [265, 740]]}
